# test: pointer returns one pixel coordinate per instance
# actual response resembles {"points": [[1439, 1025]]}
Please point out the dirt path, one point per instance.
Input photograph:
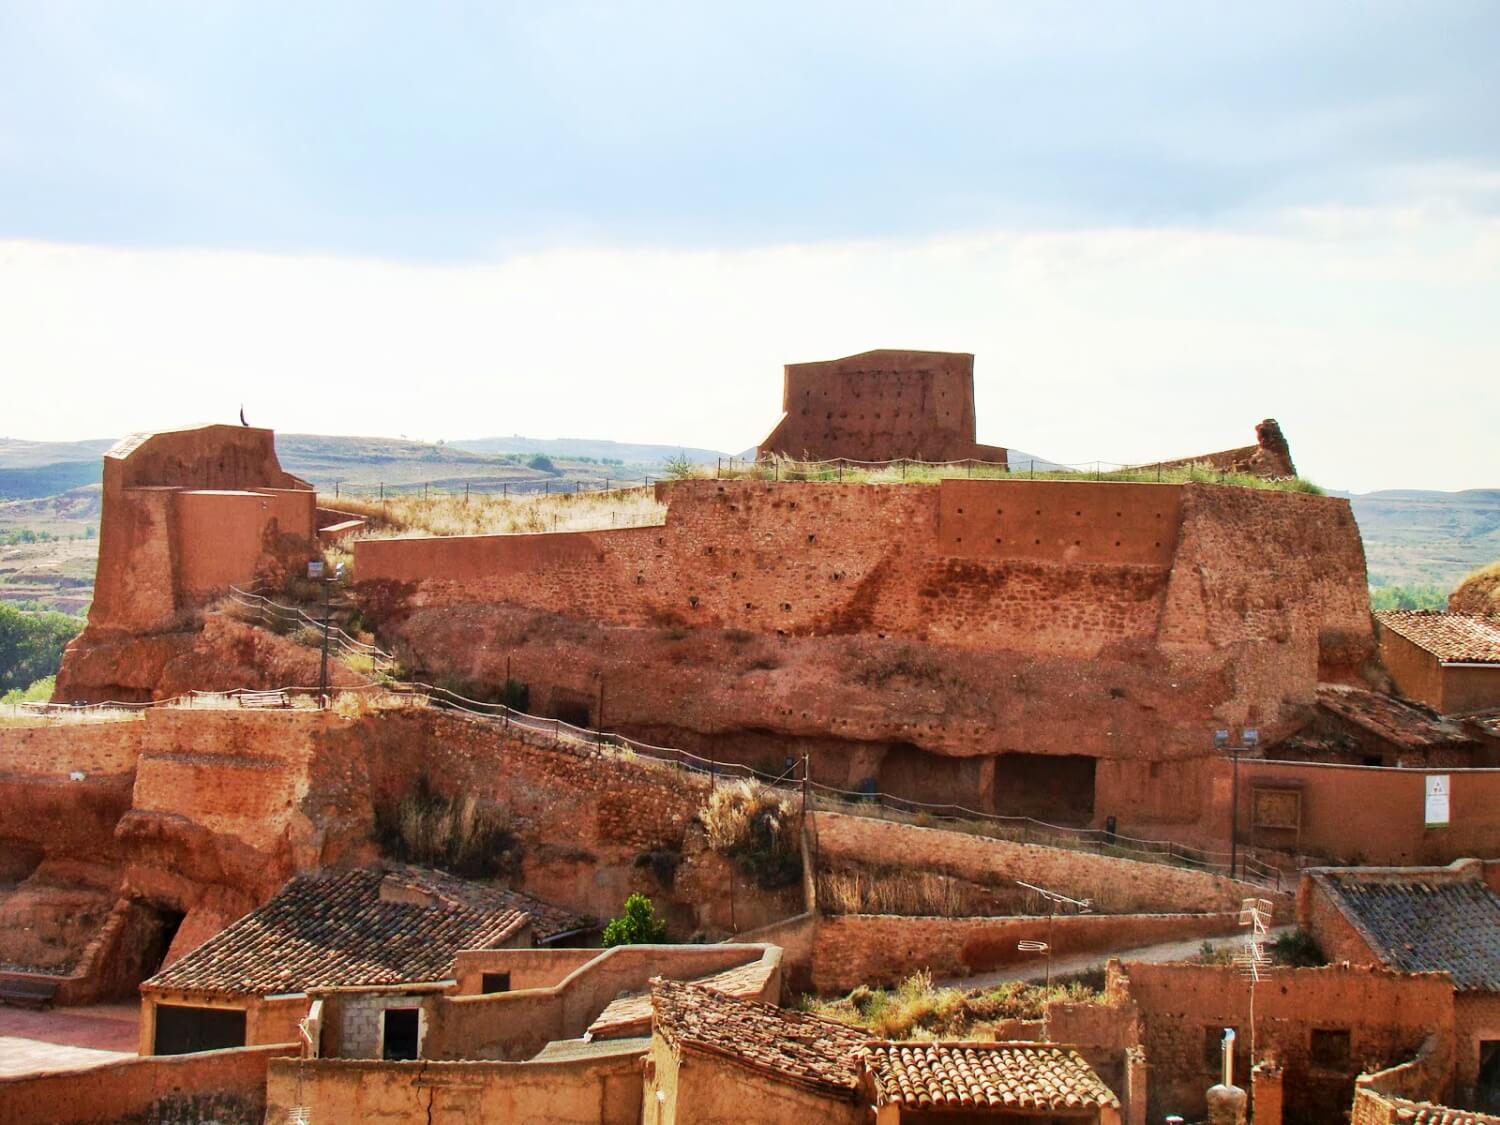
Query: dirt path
{"points": [[1035, 971]]}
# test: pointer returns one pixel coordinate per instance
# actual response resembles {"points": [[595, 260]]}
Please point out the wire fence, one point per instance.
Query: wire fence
{"points": [[776, 468]]}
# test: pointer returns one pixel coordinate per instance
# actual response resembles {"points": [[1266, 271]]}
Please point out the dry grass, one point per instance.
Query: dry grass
{"points": [[909, 893], [909, 473], [489, 514], [458, 834], [759, 828], [915, 1009]]}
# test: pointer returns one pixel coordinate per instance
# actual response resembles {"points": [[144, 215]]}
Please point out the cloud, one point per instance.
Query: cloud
{"points": [[1368, 333]]}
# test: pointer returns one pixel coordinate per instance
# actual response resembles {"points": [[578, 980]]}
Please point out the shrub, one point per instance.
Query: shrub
{"points": [[680, 467], [1298, 949], [541, 462], [457, 834], [758, 829], [637, 925]]}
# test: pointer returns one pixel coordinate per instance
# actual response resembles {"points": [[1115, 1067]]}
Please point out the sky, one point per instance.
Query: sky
{"points": [[1153, 224]]}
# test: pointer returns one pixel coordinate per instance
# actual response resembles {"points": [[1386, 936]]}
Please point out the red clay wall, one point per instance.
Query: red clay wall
{"points": [[1365, 814], [176, 1087], [157, 548], [1263, 593], [879, 406], [854, 949], [222, 535], [601, 1091], [1388, 1015], [1415, 670], [1118, 885]]}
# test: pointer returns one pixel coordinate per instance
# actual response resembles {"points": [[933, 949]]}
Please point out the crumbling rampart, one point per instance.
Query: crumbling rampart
{"points": [[879, 406], [1118, 624]]}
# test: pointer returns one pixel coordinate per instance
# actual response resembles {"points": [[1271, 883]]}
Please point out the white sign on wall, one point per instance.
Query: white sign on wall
{"points": [[1437, 800]]}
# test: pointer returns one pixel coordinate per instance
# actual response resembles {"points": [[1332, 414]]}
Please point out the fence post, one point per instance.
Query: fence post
{"points": [[382, 492], [466, 492], [1033, 468], [971, 467], [841, 472]]}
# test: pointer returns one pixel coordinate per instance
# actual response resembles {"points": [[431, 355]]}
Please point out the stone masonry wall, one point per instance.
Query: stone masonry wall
{"points": [[1119, 885], [1184, 1008], [853, 949]]}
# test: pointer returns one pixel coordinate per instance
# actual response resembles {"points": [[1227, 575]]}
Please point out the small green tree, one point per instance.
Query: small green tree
{"points": [[638, 925], [680, 467]]}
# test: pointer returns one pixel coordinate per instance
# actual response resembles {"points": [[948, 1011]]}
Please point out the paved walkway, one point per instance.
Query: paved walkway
{"points": [[66, 1038], [1035, 971]]}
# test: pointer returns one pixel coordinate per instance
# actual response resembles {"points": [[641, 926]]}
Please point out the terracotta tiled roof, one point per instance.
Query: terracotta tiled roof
{"points": [[794, 1047], [631, 1014], [547, 921], [985, 1076], [336, 929], [1424, 919], [1403, 723], [1426, 1113], [1465, 638]]}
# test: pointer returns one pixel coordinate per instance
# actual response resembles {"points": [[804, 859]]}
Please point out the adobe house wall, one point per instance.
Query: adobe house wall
{"points": [[592, 1091], [1478, 1020], [1363, 814], [880, 406], [516, 1024], [1414, 670], [689, 1085], [1470, 689], [1336, 936], [214, 1085], [1182, 1007], [853, 949]]}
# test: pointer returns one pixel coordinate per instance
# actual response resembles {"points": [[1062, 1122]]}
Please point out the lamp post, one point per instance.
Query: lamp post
{"points": [[1249, 739]]}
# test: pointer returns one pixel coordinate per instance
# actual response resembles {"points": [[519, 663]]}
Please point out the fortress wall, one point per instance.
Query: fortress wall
{"points": [[1275, 582], [133, 586], [786, 558], [222, 535], [1198, 568], [55, 750], [155, 545], [1068, 522]]}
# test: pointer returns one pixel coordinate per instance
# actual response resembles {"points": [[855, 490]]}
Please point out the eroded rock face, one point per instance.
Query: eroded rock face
{"points": [[218, 654], [928, 638]]}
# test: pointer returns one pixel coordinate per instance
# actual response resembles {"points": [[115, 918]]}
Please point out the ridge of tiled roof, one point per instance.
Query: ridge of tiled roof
{"points": [[630, 1013], [333, 929], [985, 1075], [795, 1047], [1401, 721], [1467, 638], [547, 921], [1424, 919]]}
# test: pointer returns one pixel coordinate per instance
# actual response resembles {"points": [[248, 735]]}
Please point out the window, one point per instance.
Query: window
{"points": [[494, 982], [1213, 1047], [181, 1029], [401, 1033], [1330, 1048]]}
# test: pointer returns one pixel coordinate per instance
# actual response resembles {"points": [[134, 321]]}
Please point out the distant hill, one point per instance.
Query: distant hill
{"points": [[30, 470], [1414, 537], [626, 452], [1411, 537]]}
